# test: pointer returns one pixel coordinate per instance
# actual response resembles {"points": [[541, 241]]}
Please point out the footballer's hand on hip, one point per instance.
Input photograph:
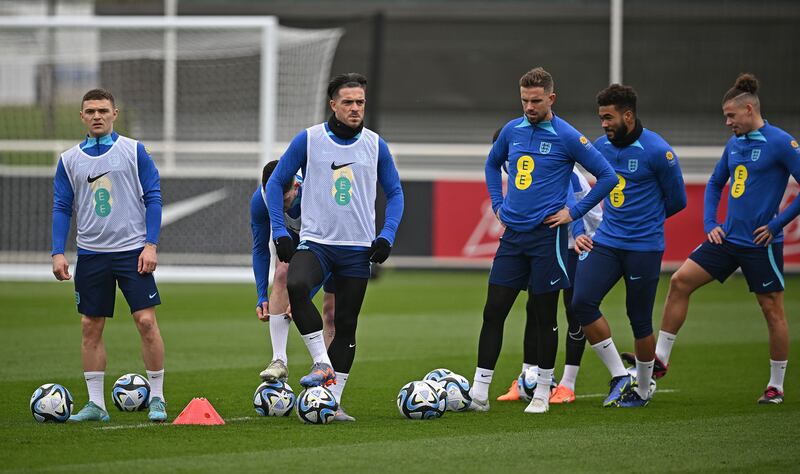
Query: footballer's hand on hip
{"points": [[148, 259], [61, 267], [559, 218], [716, 235], [763, 236], [583, 243]]}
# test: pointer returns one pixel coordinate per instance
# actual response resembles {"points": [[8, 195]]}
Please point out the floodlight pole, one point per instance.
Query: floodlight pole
{"points": [[615, 53]]}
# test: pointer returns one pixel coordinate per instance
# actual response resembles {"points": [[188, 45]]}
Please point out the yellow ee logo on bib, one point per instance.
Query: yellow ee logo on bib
{"points": [[525, 167], [739, 178], [617, 197]]}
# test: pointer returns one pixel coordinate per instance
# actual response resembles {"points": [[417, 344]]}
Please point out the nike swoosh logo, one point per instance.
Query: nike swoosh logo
{"points": [[553, 282], [636, 278], [516, 143], [351, 345], [178, 210], [334, 166], [606, 345], [555, 329], [153, 295], [767, 283], [484, 375], [734, 152], [312, 338], [92, 180]]}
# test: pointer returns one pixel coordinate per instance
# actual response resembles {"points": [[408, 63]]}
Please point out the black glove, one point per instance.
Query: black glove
{"points": [[380, 250], [284, 247]]}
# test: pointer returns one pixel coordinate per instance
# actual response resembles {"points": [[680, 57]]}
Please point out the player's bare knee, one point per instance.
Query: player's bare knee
{"points": [[772, 308], [92, 329]]}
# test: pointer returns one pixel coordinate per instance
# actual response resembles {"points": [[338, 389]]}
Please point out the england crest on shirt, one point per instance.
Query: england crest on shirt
{"points": [[633, 165], [755, 154], [545, 147]]}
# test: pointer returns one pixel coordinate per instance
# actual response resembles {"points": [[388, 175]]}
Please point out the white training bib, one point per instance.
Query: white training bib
{"points": [[339, 188], [108, 199]]}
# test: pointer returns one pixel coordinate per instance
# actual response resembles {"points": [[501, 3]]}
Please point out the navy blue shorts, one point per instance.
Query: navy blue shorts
{"points": [[327, 284], [348, 262], [601, 269], [96, 278], [761, 266], [533, 260]]}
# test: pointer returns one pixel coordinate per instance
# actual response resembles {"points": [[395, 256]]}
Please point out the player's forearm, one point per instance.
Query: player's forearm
{"points": [[395, 204], [494, 183], [60, 231], [152, 221], [606, 180], [781, 220]]}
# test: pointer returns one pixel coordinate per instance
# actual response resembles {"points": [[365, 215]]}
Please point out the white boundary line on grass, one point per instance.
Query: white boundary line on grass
{"points": [[601, 395], [146, 425]]}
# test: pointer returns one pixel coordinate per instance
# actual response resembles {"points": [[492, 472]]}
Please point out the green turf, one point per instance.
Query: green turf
{"points": [[705, 419]]}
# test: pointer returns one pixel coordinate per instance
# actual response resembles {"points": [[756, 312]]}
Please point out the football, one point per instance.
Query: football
{"points": [[51, 402], [131, 392], [526, 383], [273, 399], [422, 400], [437, 374], [457, 388], [316, 405]]}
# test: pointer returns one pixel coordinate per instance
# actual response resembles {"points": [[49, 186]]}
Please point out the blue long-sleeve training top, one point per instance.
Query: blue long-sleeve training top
{"points": [[260, 229], [295, 159], [758, 165], [64, 195], [540, 159], [649, 190]]}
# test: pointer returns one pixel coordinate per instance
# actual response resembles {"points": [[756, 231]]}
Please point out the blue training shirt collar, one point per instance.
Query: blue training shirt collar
{"points": [[755, 134], [545, 124], [107, 140]]}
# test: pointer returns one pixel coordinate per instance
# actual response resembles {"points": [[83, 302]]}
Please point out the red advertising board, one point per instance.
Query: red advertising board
{"points": [[465, 228]]}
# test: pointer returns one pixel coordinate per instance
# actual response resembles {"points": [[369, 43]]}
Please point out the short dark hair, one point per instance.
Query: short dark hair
{"points": [[350, 79], [620, 96], [267, 172], [98, 94], [537, 77], [745, 88]]}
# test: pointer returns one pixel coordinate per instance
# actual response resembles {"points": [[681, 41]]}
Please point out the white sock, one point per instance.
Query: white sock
{"points": [[156, 379], [644, 373], [338, 387], [607, 352], [543, 384], [777, 370], [279, 334], [480, 383], [316, 347], [570, 374], [94, 385], [664, 345]]}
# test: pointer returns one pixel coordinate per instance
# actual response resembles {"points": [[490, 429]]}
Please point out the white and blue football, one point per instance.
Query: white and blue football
{"points": [[131, 392], [526, 383], [437, 374], [51, 402], [457, 388], [274, 399], [422, 400], [316, 405]]}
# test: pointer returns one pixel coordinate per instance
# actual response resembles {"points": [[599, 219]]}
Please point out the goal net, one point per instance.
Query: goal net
{"points": [[212, 99]]}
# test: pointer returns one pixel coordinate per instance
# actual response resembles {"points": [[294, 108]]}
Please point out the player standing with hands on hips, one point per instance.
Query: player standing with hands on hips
{"points": [[757, 160], [342, 163], [114, 186], [540, 150]]}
